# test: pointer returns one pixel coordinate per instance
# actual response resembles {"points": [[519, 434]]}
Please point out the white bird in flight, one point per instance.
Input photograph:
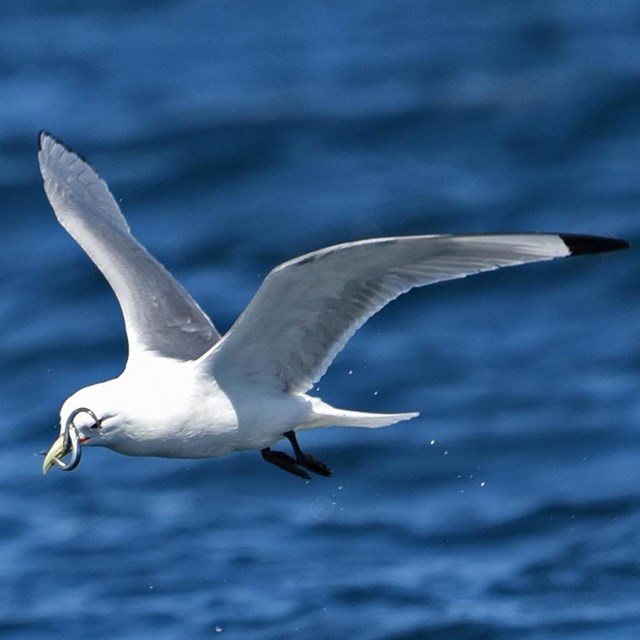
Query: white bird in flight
{"points": [[187, 391]]}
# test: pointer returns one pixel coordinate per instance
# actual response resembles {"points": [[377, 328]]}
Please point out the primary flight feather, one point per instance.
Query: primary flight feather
{"points": [[187, 392]]}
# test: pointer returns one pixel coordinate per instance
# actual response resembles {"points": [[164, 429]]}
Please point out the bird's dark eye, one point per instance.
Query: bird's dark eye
{"points": [[97, 422]]}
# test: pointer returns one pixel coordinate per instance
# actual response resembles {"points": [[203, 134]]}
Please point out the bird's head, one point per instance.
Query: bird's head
{"points": [[86, 419]]}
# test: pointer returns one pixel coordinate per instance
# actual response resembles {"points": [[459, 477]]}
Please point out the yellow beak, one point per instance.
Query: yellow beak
{"points": [[57, 451]]}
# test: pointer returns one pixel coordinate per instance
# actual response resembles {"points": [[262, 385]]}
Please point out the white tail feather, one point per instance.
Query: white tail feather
{"points": [[324, 415]]}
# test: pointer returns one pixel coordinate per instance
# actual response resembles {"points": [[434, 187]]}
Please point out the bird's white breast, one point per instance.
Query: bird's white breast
{"points": [[175, 409]]}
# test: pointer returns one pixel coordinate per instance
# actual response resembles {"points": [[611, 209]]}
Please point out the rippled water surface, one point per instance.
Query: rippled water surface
{"points": [[237, 135]]}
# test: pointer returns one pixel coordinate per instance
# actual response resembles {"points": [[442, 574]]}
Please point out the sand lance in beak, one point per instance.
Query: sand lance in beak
{"points": [[68, 442]]}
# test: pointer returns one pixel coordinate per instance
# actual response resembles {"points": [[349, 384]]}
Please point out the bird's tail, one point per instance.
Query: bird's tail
{"points": [[324, 415]]}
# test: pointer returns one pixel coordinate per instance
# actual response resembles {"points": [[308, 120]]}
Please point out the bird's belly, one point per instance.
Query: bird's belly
{"points": [[217, 426]]}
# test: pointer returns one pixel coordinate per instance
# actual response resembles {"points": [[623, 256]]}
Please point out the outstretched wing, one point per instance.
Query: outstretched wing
{"points": [[159, 315], [309, 307]]}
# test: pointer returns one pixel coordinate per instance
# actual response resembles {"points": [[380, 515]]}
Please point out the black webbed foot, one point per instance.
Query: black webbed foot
{"points": [[292, 465], [306, 460], [309, 462], [284, 461]]}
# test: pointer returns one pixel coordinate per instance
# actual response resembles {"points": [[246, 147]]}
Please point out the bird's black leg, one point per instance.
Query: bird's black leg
{"points": [[284, 461], [306, 460]]}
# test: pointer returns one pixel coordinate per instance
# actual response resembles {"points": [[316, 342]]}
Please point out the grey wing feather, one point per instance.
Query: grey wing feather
{"points": [[160, 316], [308, 308]]}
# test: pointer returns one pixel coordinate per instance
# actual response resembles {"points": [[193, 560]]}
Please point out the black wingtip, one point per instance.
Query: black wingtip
{"points": [[581, 244]]}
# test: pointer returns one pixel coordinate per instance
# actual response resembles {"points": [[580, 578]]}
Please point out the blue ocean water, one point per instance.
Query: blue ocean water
{"points": [[237, 135]]}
